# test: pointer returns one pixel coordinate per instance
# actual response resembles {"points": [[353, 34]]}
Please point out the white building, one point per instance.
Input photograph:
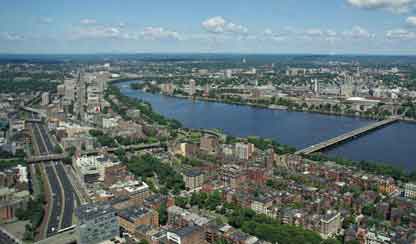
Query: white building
{"points": [[192, 87], [377, 238], [228, 73], [244, 151], [109, 122], [45, 98], [92, 168], [410, 190]]}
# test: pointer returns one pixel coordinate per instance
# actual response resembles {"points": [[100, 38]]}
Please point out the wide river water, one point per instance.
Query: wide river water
{"points": [[394, 144]]}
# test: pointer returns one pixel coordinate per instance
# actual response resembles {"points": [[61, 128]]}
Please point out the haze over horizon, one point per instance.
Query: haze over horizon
{"points": [[132, 26]]}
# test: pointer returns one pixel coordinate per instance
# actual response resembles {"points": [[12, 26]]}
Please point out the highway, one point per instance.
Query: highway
{"points": [[68, 194], [6, 238], [64, 198], [55, 217]]}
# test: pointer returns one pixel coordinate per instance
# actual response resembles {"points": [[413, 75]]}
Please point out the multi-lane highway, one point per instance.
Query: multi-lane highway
{"points": [[69, 194], [64, 198], [55, 213], [7, 238]]}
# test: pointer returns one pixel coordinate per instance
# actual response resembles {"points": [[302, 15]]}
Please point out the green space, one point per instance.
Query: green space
{"points": [[148, 166], [26, 85]]}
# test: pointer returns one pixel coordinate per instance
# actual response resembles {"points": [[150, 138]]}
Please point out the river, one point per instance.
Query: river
{"points": [[394, 144]]}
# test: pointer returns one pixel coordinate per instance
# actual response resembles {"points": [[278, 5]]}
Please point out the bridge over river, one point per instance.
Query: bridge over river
{"points": [[347, 136]]}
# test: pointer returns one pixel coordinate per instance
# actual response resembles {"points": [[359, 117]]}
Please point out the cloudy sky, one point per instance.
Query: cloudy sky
{"points": [[230, 26]]}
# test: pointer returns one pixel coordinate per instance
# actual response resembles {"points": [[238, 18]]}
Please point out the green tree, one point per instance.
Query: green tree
{"points": [[163, 213], [181, 201], [331, 241]]}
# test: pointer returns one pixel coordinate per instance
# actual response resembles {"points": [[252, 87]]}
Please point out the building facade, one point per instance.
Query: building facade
{"points": [[97, 223]]}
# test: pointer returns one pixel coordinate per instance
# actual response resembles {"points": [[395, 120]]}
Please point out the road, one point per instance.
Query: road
{"points": [[64, 198], [55, 217], [6, 238], [68, 194]]}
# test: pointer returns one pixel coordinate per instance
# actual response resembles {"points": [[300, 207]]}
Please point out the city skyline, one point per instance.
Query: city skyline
{"points": [[330, 27]]}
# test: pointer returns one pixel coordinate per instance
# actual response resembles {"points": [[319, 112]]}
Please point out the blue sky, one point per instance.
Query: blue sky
{"points": [[235, 26]]}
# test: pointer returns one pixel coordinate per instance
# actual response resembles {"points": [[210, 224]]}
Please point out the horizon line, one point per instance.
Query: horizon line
{"points": [[208, 53]]}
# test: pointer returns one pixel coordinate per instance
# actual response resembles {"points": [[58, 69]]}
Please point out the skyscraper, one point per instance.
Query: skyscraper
{"points": [[192, 87]]}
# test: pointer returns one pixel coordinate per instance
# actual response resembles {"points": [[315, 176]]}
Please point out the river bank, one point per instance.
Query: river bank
{"points": [[293, 105], [280, 107]]}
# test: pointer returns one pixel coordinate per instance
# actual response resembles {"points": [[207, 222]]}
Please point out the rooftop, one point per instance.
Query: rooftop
{"points": [[131, 214], [186, 230], [92, 211]]}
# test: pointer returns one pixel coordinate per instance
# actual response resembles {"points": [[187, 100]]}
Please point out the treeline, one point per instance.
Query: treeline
{"points": [[144, 107], [8, 163], [408, 109], [26, 86], [103, 139], [201, 199], [264, 144], [370, 167], [149, 87]]}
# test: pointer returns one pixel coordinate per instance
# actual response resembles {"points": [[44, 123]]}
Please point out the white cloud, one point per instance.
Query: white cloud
{"points": [[358, 32], [331, 33], [401, 34], [219, 25], [88, 21], [92, 32], [154, 33], [308, 34], [411, 21], [231, 27], [314, 32], [214, 24], [275, 36], [397, 6], [11, 36], [268, 32]]}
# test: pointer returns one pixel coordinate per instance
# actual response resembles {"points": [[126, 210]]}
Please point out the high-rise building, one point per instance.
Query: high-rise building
{"points": [[192, 87], [61, 90], [45, 98], [228, 73], [316, 89], [330, 223], [193, 179], [96, 223], [168, 88], [70, 89], [244, 150], [410, 190], [209, 143]]}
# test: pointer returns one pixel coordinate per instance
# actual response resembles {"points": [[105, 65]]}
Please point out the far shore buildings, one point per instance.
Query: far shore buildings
{"points": [[192, 87]]}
